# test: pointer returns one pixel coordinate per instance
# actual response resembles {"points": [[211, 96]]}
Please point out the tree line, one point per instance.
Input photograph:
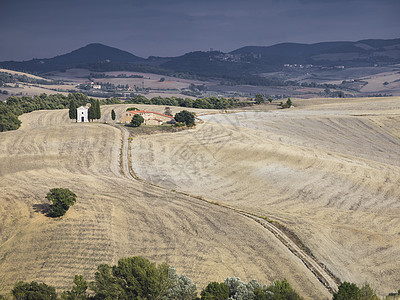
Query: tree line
{"points": [[138, 278], [15, 106], [15, 78], [204, 103]]}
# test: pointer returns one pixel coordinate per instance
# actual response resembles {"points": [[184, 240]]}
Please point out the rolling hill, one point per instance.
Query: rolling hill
{"points": [[89, 54], [364, 52], [243, 61]]}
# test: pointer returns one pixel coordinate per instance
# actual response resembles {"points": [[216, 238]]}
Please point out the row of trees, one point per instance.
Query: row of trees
{"points": [[15, 106], [138, 278], [15, 78], [205, 103]]}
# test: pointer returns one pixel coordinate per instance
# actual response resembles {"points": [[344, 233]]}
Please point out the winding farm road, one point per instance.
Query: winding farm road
{"points": [[321, 274]]}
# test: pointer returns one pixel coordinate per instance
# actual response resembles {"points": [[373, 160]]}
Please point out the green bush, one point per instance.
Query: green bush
{"points": [[186, 117], [137, 120], [62, 199], [38, 291], [215, 291]]}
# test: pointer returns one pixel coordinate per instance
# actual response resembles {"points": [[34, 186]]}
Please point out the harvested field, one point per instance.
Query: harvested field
{"points": [[116, 217], [328, 170]]}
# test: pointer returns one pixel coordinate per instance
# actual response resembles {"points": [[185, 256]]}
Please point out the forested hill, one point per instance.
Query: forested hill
{"points": [[259, 59], [363, 52], [91, 53], [243, 61]]}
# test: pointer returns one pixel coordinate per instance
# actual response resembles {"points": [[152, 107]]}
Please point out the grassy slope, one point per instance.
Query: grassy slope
{"points": [[115, 217], [328, 170]]}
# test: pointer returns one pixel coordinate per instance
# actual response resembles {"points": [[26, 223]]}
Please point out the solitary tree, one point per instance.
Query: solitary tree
{"points": [[259, 99], [97, 110], [137, 120], [62, 199], [72, 109], [168, 111], [186, 117], [91, 112], [113, 115]]}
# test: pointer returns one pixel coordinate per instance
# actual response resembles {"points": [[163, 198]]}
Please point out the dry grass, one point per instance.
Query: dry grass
{"points": [[116, 217], [328, 170], [22, 73]]}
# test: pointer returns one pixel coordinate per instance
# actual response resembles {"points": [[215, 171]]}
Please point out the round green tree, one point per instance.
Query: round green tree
{"points": [[259, 99], [186, 117], [61, 200], [137, 120]]}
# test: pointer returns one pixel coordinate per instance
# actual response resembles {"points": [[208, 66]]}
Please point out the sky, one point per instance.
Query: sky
{"points": [[43, 28]]}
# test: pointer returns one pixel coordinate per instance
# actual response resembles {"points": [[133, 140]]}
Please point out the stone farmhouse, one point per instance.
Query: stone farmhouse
{"points": [[150, 117]]}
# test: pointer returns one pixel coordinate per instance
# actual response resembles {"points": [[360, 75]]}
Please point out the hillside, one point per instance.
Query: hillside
{"points": [[117, 217], [243, 61], [327, 169], [359, 53], [89, 54]]}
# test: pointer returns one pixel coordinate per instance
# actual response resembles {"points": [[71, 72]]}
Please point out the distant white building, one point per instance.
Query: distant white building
{"points": [[82, 113]]}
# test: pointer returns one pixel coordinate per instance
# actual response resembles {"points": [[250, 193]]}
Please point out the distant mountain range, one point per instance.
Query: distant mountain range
{"points": [[246, 60]]}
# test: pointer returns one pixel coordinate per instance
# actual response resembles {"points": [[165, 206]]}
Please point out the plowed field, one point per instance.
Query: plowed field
{"points": [[329, 170], [117, 217]]}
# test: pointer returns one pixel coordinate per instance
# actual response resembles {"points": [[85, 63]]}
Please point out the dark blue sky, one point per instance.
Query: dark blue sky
{"points": [[44, 28]]}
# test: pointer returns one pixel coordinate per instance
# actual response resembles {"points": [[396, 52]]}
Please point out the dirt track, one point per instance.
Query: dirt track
{"points": [[116, 217], [328, 171]]}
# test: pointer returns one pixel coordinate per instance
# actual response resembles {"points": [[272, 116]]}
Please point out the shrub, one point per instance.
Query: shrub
{"points": [[288, 104]]}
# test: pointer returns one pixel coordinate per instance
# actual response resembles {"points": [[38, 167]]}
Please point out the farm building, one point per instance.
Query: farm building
{"points": [[150, 117], [82, 113]]}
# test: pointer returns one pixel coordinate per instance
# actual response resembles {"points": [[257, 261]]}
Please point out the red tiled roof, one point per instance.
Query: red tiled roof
{"points": [[149, 112]]}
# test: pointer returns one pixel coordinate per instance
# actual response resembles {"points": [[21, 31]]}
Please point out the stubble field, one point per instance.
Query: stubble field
{"points": [[329, 170], [117, 217]]}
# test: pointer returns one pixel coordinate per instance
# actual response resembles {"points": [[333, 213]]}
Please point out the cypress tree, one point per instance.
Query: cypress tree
{"points": [[113, 115], [97, 110], [91, 112], [72, 109]]}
